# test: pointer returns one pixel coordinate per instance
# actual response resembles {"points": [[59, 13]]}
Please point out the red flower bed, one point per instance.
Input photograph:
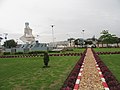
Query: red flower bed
{"points": [[35, 55], [69, 83], [66, 54], [112, 82], [99, 53]]}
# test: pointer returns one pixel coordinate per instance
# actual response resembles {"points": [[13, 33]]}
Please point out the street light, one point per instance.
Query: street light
{"points": [[38, 37], [6, 38], [69, 39], [6, 35], [83, 33], [83, 36], [52, 33]]}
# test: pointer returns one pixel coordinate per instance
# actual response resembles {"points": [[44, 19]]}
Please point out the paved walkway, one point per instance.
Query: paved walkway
{"points": [[90, 79]]}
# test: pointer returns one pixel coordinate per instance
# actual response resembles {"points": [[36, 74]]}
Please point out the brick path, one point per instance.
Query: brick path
{"points": [[90, 79]]}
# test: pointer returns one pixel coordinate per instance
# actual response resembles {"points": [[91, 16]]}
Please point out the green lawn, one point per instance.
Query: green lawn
{"points": [[73, 50], [113, 63], [28, 74], [79, 50], [106, 49]]}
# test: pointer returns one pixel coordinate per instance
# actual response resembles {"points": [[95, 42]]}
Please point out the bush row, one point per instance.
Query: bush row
{"points": [[112, 82], [38, 55], [66, 54], [69, 83], [19, 56], [19, 53], [99, 53]]}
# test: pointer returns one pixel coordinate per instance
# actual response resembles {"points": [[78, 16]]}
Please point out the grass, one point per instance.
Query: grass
{"points": [[79, 50], [106, 49], [28, 74], [75, 50], [113, 63]]}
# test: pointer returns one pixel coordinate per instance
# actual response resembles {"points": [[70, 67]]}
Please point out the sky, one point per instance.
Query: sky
{"points": [[69, 18]]}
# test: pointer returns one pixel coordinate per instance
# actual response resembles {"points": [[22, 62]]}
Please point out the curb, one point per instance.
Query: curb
{"points": [[76, 87], [102, 78]]}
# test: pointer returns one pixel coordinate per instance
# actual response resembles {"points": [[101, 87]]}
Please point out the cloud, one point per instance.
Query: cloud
{"points": [[68, 16]]}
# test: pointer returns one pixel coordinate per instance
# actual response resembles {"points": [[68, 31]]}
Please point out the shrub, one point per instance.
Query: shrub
{"points": [[17, 53], [54, 51], [46, 59], [36, 52], [6, 53]]}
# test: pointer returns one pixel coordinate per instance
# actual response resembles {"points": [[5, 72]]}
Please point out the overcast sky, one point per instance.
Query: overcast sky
{"points": [[70, 17]]}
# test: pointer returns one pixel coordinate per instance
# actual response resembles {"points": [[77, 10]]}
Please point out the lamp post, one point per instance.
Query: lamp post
{"points": [[38, 37], [6, 38], [69, 39], [83, 36], [83, 33], [53, 34]]}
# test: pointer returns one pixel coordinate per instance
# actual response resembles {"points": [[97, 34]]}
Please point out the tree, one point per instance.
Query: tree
{"points": [[87, 42], [10, 44], [98, 42], [70, 40], [79, 42], [107, 38], [117, 41]]}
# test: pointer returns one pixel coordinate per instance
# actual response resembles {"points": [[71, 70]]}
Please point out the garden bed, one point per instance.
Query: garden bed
{"points": [[111, 80], [69, 83], [38, 55], [103, 53]]}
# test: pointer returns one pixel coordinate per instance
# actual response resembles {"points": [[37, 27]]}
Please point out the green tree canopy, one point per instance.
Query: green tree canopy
{"points": [[10, 44], [70, 40], [108, 38], [79, 41]]}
